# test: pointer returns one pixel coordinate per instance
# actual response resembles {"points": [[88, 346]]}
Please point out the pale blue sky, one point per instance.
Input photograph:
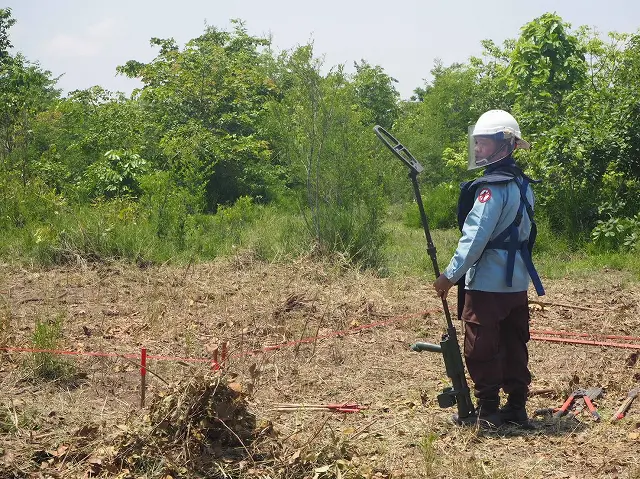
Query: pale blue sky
{"points": [[87, 39]]}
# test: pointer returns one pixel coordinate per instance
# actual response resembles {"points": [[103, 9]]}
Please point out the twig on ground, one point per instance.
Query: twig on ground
{"points": [[238, 438], [574, 306]]}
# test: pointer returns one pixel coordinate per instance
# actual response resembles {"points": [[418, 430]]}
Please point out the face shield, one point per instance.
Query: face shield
{"points": [[486, 149]]}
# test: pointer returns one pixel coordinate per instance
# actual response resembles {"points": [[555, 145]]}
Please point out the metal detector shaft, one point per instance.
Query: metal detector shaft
{"points": [[414, 169], [449, 347]]}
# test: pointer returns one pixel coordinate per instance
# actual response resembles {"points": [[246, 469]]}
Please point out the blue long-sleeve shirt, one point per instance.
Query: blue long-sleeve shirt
{"points": [[494, 210]]}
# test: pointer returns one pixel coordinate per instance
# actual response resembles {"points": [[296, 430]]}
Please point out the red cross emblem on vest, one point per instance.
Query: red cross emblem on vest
{"points": [[484, 195]]}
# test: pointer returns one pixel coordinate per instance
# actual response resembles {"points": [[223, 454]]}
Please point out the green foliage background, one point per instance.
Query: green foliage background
{"points": [[230, 145]]}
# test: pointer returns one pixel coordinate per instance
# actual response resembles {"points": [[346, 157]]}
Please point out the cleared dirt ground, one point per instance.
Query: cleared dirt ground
{"points": [[65, 428]]}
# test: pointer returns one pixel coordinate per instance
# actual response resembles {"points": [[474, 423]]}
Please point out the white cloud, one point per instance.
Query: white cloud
{"points": [[88, 43], [72, 46], [102, 30]]}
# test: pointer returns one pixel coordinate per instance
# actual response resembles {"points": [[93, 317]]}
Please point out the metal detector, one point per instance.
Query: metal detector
{"points": [[458, 394]]}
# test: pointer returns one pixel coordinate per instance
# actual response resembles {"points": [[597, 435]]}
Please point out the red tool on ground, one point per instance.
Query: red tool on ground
{"points": [[586, 395], [624, 407], [347, 407]]}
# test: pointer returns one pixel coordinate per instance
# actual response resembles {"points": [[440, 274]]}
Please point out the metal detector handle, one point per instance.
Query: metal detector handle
{"points": [[398, 149], [459, 394], [414, 168]]}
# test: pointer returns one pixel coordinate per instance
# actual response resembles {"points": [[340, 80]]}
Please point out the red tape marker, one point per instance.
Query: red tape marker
{"points": [[215, 365], [143, 361]]}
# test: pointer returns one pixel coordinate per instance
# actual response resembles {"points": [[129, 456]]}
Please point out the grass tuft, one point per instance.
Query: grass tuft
{"points": [[44, 365]]}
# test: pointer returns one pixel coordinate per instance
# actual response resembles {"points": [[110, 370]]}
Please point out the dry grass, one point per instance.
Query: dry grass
{"points": [[66, 427]]}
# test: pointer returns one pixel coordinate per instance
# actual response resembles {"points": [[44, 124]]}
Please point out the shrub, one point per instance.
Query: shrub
{"points": [[440, 203]]}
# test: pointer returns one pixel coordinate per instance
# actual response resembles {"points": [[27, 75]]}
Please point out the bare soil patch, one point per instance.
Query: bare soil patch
{"points": [[76, 426]]}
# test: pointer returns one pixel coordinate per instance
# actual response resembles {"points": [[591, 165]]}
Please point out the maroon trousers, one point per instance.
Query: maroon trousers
{"points": [[495, 342]]}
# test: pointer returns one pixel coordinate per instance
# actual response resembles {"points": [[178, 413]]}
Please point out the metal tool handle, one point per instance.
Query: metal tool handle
{"points": [[592, 408], [449, 347], [563, 409]]}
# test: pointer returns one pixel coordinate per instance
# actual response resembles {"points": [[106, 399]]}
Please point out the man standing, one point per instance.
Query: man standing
{"points": [[495, 213]]}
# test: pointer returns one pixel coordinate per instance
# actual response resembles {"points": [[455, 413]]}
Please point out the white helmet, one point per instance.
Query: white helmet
{"points": [[503, 131]]}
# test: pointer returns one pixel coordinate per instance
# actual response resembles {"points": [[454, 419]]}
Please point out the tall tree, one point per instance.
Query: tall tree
{"points": [[6, 22], [376, 94], [327, 146], [25, 91], [547, 63], [206, 102]]}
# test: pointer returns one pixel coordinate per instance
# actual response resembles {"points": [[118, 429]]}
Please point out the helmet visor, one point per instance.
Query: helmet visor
{"points": [[487, 149]]}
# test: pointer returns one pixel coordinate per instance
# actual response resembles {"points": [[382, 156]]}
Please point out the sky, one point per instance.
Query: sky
{"points": [[85, 40]]}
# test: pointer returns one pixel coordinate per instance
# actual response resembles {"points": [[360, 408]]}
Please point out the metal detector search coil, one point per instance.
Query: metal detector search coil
{"points": [[396, 147]]}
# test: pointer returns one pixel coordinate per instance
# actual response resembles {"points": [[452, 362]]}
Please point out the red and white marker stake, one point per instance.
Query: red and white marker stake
{"points": [[143, 375]]}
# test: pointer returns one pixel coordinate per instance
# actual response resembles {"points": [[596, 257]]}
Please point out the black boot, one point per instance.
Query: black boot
{"points": [[489, 416], [514, 412]]}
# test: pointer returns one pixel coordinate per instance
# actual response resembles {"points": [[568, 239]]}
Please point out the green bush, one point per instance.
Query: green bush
{"points": [[103, 231], [111, 230], [279, 234], [323, 140], [23, 204], [615, 232], [147, 232], [116, 174], [209, 236], [440, 203], [355, 231], [169, 206]]}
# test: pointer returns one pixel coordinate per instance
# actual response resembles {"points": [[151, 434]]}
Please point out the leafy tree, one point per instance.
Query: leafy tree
{"points": [[205, 103], [116, 175], [376, 94], [6, 22], [547, 63], [441, 119], [324, 143], [77, 131], [492, 78], [25, 91]]}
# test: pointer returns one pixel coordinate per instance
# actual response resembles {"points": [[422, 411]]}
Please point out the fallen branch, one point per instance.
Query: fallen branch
{"points": [[343, 407], [559, 339], [567, 305], [538, 392], [585, 335]]}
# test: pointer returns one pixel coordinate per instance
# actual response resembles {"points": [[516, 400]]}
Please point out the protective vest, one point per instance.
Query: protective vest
{"points": [[509, 238]]}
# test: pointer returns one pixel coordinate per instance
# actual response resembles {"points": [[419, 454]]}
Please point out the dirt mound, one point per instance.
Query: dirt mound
{"points": [[202, 427], [193, 426]]}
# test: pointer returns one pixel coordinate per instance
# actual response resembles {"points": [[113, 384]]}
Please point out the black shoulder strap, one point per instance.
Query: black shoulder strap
{"points": [[467, 196], [465, 201]]}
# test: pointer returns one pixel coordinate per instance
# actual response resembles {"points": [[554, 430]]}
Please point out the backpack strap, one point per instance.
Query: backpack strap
{"points": [[468, 190], [513, 245]]}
